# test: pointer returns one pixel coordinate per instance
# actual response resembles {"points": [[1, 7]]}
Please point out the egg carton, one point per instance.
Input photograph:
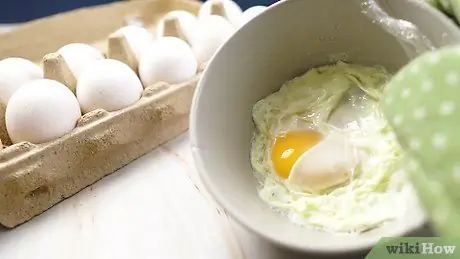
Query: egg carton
{"points": [[33, 178]]}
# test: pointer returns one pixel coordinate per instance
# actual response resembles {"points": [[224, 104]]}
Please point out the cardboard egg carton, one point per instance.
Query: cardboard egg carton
{"points": [[33, 178]]}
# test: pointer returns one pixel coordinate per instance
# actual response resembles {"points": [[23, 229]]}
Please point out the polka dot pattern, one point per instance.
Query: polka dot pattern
{"points": [[405, 93], [439, 141], [420, 113], [422, 105], [426, 85], [456, 173], [442, 210], [446, 108], [433, 58], [398, 120], [415, 144], [451, 78]]}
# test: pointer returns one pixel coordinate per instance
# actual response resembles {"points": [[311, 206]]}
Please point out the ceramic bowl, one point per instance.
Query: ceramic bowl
{"points": [[283, 42]]}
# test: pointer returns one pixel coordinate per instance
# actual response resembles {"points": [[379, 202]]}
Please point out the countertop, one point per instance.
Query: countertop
{"points": [[173, 218]]}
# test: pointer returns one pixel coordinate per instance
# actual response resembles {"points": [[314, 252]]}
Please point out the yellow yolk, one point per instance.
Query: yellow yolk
{"points": [[288, 147]]}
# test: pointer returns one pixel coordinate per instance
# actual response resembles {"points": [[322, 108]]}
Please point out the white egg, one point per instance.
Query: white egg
{"points": [[15, 72], [233, 11], [40, 111], [188, 24], [138, 38], [78, 56], [108, 84], [214, 32], [170, 60], [328, 163], [250, 13]]}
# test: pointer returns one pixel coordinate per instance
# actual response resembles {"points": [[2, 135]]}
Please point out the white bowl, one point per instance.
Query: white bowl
{"points": [[281, 43]]}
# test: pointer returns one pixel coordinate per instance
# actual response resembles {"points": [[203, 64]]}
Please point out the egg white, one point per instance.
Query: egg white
{"points": [[342, 98]]}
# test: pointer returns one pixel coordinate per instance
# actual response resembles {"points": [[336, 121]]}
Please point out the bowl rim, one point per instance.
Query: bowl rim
{"points": [[220, 199]]}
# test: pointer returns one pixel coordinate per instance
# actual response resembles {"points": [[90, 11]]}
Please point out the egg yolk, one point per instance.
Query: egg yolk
{"points": [[288, 147]]}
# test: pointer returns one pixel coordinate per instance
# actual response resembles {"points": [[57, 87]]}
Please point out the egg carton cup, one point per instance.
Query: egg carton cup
{"points": [[33, 178]]}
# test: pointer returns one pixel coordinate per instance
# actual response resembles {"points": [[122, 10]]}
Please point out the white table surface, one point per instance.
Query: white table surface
{"points": [[156, 207]]}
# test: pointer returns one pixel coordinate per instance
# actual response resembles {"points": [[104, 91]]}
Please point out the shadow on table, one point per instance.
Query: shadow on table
{"points": [[257, 248]]}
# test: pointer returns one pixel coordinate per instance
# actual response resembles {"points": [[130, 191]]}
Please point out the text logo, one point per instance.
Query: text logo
{"points": [[416, 247], [420, 248]]}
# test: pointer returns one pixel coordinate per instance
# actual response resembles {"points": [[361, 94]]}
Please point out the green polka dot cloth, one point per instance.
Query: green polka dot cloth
{"points": [[422, 105]]}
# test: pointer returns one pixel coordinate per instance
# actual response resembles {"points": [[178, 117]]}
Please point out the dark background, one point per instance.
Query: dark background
{"points": [[16, 11]]}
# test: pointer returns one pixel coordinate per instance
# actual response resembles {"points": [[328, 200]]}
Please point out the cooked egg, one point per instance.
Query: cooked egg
{"points": [[288, 147], [327, 164], [324, 155]]}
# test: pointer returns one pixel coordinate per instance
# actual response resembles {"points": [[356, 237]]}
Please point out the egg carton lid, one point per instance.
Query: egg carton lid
{"points": [[33, 178]]}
